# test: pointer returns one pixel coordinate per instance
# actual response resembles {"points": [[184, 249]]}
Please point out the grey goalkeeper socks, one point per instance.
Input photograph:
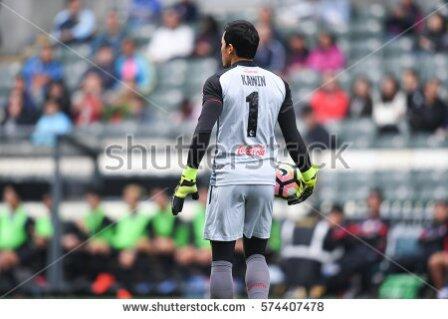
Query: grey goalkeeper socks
{"points": [[221, 280], [257, 277]]}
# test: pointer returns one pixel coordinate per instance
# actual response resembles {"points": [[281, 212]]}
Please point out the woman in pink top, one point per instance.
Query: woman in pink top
{"points": [[326, 56]]}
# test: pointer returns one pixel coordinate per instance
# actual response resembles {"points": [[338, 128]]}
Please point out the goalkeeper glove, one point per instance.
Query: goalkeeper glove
{"points": [[187, 186], [308, 180]]}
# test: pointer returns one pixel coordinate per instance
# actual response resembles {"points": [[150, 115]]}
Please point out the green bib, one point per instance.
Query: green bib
{"points": [[275, 242], [198, 228], [12, 228], [182, 235], [129, 230], [44, 227], [93, 221], [163, 224]]}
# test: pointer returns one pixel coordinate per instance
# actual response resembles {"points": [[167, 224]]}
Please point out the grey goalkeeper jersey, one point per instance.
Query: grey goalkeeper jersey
{"points": [[246, 148]]}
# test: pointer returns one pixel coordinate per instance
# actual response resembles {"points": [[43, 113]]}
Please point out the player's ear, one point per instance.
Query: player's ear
{"points": [[230, 49]]}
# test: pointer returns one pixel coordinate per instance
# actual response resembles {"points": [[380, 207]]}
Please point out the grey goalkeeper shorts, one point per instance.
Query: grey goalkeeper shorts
{"points": [[236, 210]]}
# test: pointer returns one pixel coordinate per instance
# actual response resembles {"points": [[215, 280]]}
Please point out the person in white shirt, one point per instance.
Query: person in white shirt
{"points": [[75, 23], [172, 40], [390, 107]]}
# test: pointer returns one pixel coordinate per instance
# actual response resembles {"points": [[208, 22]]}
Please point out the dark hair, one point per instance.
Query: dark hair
{"points": [[413, 72], [11, 188], [93, 190], [244, 38], [53, 101], [337, 209], [306, 110], [376, 191]]}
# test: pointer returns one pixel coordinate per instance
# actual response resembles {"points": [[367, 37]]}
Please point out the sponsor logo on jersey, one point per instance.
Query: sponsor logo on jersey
{"points": [[251, 150]]}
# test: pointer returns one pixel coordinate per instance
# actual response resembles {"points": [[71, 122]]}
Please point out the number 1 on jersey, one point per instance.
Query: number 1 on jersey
{"points": [[252, 99]]}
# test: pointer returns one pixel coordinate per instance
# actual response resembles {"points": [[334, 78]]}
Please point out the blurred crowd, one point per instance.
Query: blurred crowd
{"points": [[122, 71], [158, 255], [137, 254], [141, 254]]}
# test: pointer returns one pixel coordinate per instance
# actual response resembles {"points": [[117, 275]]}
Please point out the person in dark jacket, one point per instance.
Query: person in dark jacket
{"points": [[365, 244], [95, 231], [16, 239], [435, 242], [431, 114], [316, 134], [412, 88], [361, 100]]}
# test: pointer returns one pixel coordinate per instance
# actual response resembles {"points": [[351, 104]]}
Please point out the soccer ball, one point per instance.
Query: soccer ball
{"points": [[286, 180]]}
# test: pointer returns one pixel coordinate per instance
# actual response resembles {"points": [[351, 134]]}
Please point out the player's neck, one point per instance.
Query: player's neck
{"points": [[238, 59]]}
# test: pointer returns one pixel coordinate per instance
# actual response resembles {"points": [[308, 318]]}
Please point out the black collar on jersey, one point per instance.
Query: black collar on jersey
{"points": [[244, 63]]}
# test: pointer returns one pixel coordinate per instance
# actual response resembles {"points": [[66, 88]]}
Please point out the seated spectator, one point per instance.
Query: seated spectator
{"points": [[39, 71], [126, 104], [297, 53], [172, 40], [434, 38], [132, 244], [327, 56], [16, 116], [104, 67], [390, 107], [43, 232], [432, 113], [94, 256], [142, 12], [53, 122], [305, 247], [365, 244], [112, 36], [335, 13], [203, 248], [187, 10], [433, 238], [59, 92], [412, 89], [133, 67], [19, 84], [271, 53], [335, 281], [185, 112], [437, 239], [164, 230], [266, 18], [16, 239], [403, 17], [316, 135], [74, 24], [330, 101], [208, 38], [88, 102], [193, 253], [361, 98]]}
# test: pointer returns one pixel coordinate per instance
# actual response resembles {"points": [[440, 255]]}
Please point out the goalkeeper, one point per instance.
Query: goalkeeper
{"points": [[245, 101]]}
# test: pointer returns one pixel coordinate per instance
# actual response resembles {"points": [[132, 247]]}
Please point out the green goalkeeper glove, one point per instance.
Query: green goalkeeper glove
{"points": [[308, 179], [187, 186]]}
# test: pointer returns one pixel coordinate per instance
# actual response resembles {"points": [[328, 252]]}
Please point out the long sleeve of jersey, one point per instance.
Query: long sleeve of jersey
{"points": [[294, 142], [211, 109]]}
